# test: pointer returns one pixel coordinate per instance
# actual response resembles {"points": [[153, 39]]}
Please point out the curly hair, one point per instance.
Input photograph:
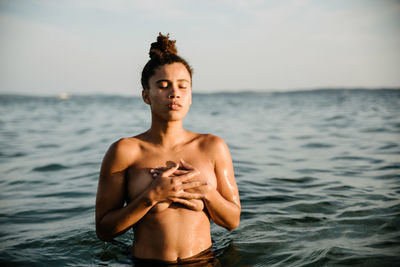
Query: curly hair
{"points": [[161, 53]]}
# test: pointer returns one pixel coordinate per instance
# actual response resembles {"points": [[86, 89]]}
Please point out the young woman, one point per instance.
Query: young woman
{"points": [[167, 183]]}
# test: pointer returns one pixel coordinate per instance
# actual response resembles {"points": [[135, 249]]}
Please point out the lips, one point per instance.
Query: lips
{"points": [[174, 106]]}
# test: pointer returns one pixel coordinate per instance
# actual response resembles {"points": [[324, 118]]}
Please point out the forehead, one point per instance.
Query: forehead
{"points": [[174, 71]]}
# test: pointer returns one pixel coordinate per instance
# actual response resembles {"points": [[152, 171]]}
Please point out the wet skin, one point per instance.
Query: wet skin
{"points": [[167, 183]]}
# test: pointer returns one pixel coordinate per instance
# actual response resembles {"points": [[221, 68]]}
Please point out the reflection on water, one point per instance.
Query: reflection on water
{"points": [[318, 174]]}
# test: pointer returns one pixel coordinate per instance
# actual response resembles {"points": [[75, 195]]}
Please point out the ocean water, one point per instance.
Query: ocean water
{"points": [[318, 174]]}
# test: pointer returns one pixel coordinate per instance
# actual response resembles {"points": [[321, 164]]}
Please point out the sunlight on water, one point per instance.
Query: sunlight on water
{"points": [[318, 174]]}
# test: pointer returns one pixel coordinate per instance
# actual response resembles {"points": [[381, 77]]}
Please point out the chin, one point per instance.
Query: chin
{"points": [[171, 115], [176, 117]]}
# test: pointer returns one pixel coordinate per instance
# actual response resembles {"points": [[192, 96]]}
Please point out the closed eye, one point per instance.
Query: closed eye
{"points": [[162, 84], [183, 85]]}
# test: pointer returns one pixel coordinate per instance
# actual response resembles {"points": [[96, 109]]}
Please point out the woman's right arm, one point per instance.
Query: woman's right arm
{"points": [[112, 218]]}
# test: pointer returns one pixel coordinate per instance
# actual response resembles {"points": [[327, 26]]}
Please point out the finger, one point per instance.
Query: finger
{"points": [[186, 177], [189, 167], [193, 184], [180, 172], [154, 172], [171, 170], [155, 168], [187, 195], [185, 202], [186, 165], [158, 169]]}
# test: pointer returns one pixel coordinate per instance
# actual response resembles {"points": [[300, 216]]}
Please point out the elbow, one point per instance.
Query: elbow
{"points": [[103, 237], [228, 225], [234, 222], [232, 226], [102, 234], [107, 234]]}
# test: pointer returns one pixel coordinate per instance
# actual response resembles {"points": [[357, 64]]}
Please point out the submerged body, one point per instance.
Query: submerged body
{"points": [[167, 183], [170, 230]]}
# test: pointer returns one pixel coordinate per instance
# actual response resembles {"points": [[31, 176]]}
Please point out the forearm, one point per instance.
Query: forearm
{"points": [[118, 221], [223, 212]]}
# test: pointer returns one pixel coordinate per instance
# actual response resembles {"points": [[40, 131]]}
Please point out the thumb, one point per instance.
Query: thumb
{"points": [[171, 170]]}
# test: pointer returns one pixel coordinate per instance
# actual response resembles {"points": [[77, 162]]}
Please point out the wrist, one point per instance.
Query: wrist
{"points": [[150, 197]]}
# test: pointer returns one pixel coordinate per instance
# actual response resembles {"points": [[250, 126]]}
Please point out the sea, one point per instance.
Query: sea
{"points": [[318, 173]]}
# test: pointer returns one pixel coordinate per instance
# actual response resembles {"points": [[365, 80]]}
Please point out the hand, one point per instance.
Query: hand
{"points": [[204, 188], [193, 204], [170, 184]]}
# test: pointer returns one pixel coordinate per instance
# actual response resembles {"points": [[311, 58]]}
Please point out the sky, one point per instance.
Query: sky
{"points": [[49, 47]]}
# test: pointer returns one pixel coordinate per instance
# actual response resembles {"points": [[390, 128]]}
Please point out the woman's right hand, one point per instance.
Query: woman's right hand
{"points": [[170, 185], [167, 185]]}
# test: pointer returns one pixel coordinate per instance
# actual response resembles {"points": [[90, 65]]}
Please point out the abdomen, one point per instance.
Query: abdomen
{"points": [[172, 233]]}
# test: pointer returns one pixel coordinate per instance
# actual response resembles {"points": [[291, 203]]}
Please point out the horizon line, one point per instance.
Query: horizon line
{"points": [[251, 91]]}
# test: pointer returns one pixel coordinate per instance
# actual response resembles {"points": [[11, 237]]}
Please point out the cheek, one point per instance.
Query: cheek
{"points": [[156, 96], [189, 97]]}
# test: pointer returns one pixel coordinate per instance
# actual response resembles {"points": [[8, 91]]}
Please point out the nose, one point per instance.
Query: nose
{"points": [[174, 92]]}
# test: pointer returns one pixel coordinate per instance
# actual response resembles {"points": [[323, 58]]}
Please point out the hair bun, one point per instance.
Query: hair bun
{"points": [[162, 46]]}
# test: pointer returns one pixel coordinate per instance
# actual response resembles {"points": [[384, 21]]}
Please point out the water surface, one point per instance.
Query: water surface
{"points": [[318, 174]]}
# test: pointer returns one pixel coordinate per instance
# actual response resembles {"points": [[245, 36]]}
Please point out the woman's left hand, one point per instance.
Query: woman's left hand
{"points": [[193, 204]]}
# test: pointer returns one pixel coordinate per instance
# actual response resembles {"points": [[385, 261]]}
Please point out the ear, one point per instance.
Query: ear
{"points": [[145, 96]]}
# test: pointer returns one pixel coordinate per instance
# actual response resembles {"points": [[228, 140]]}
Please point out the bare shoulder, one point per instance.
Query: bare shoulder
{"points": [[213, 145], [211, 140], [121, 154]]}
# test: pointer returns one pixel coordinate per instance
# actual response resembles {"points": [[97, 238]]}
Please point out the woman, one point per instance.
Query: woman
{"points": [[167, 182]]}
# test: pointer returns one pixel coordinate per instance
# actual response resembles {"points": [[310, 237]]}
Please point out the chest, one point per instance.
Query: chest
{"points": [[139, 177]]}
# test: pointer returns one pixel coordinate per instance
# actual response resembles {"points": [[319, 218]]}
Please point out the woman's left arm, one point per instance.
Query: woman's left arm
{"points": [[222, 202]]}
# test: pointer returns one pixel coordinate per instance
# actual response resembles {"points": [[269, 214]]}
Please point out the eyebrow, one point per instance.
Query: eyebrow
{"points": [[159, 81], [165, 80]]}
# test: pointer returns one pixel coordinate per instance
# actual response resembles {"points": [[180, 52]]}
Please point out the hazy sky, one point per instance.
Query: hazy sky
{"points": [[82, 46]]}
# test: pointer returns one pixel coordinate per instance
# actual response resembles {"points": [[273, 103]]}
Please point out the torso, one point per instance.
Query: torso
{"points": [[170, 228]]}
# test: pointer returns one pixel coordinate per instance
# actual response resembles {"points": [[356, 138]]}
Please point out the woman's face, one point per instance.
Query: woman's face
{"points": [[170, 92]]}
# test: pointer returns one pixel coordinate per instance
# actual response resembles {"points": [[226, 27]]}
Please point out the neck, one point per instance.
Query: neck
{"points": [[166, 133]]}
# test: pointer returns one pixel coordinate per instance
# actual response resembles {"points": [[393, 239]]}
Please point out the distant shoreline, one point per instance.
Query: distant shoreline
{"points": [[222, 92]]}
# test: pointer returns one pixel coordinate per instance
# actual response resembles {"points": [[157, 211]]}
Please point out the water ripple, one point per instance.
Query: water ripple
{"points": [[317, 145], [317, 171], [50, 167]]}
